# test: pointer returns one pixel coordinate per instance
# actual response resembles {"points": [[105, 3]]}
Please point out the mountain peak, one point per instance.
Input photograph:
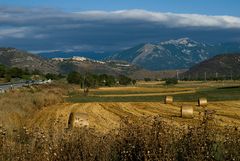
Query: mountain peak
{"points": [[182, 41]]}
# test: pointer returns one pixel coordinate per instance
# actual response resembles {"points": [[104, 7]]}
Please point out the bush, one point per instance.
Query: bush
{"points": [[171, 81], [147, 79], [54, 76]]}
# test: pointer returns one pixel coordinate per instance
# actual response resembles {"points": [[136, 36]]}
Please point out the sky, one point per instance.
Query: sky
{"points": [[107, 25], [210, 7]]}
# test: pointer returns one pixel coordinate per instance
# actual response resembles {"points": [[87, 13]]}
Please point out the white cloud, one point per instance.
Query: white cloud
{"points": [[44, 29], [167, 19], [13, 32]]}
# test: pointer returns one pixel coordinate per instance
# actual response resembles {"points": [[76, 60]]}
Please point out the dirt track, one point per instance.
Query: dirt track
{"points": [[147, 94]]}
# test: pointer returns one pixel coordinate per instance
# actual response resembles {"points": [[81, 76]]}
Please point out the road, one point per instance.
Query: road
{"points": [[8, 86]]}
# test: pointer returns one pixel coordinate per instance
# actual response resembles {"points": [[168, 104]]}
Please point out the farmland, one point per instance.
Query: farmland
{"points": [[107, 106], [116, 114], [155, 92]]}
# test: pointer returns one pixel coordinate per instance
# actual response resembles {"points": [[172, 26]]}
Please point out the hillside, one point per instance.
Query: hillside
{"points": [[220, 66], [173, 54], [82, 65], [12, 57], [15, 58]]}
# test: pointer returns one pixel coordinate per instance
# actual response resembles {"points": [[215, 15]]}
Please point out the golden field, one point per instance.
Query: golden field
{"points": [[121, 119], [36, 106]]}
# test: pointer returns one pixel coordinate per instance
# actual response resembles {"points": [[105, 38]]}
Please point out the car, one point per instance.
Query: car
{"points": [[2, 90]]}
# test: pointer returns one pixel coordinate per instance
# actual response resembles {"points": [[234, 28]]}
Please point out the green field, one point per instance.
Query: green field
{"points": [[211, 93]]}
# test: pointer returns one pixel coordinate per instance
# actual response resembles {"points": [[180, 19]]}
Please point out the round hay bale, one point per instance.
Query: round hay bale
{"points": [[168, 100], [202, 102], [186, 111], [78, 120]]}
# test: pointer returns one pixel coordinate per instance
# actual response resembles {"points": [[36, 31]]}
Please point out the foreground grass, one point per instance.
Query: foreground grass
{"points": [[133, 141]]}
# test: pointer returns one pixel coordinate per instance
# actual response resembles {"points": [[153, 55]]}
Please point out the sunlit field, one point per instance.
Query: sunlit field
{"points": [[156, 91], [125, 122]]}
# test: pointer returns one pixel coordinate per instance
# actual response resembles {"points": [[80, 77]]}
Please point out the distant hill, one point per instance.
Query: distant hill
{"points": [[16, 58], [83, 65], [173, 54], [220, 66]]}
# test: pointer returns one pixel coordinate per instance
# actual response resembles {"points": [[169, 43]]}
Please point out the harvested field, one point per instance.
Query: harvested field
{"points": [[120, 119], [106, 116]]}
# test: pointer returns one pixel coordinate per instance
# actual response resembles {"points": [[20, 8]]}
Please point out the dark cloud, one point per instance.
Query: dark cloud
{"points": [[47, 29]]}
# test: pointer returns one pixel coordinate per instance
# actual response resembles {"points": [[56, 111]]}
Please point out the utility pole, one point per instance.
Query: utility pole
{"points": [[83, 83], [231, 75], [205, 75], [177, 75]]}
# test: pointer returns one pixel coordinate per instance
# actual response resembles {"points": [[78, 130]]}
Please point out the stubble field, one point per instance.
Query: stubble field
{"points": [[121, 113]]}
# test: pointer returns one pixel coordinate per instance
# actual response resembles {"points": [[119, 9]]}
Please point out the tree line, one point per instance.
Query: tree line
{"points": [[8, 73], [92, 80]]}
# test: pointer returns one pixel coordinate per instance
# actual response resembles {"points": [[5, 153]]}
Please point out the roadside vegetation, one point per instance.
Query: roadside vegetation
{"points": [[19, 104], [134, 140], [6, 73]]}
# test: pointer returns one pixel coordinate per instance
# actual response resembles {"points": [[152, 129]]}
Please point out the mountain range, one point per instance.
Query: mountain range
{"points": [[173, 54], [12, 57], [226, 65], [167, 55]]}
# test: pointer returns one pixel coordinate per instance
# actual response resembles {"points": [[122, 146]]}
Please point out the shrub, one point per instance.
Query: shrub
{"points": [[171, 81], [147, 79], [54, 76]]}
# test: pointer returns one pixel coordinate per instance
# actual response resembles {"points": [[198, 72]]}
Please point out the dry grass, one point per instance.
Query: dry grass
{"points": [[23, 103], [133, 141]]}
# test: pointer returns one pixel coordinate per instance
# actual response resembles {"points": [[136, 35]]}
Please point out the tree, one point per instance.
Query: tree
{"points": [[2, 71], [106, 80], [124, 80], [36, 72], [26, 71], [90, 80], [15, 72], [7, 78], [134, 82], [74, 78]]}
